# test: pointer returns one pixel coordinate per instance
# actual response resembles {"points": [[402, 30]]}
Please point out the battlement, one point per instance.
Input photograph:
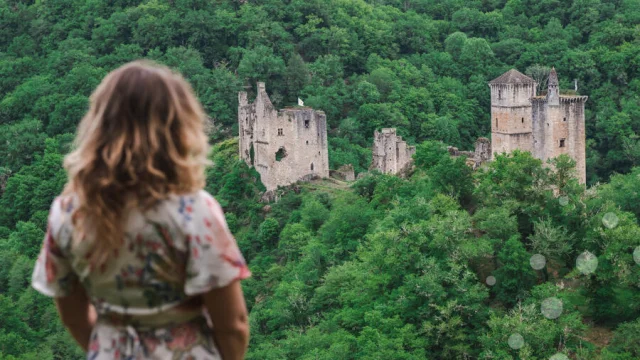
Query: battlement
{"points": [[562, 98]]}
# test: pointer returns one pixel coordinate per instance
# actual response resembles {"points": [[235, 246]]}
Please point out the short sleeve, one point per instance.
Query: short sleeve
{"points": [[214, 259], [53, 275]]}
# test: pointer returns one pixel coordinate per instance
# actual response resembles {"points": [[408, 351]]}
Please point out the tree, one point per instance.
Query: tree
{"points": [[626, 339], [514, 277], [296, 76], [268, 232], [313, 214], [540, 74]]}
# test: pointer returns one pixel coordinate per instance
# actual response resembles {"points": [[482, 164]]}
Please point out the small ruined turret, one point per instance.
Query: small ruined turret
{"points": [[553, 92]]}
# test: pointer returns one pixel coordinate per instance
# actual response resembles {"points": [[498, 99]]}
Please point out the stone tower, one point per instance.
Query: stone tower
{"points": [[390, 153], [511, 126], [283, 146], [559, 126]]}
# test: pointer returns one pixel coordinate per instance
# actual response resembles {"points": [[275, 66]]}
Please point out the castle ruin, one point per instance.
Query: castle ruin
{"points": [[390, 153], [546, 126], [476, 158], [283, 146]]}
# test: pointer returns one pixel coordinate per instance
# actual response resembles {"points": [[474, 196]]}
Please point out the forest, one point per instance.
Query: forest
{"points": [[514, 261]]}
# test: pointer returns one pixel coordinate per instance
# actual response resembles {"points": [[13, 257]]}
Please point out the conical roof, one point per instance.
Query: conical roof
{"points": [[512, 76], [553, 77]]}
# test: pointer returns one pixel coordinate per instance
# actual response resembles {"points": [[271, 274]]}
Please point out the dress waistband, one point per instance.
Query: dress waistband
{"points": [[133, 339], [182, 313]]}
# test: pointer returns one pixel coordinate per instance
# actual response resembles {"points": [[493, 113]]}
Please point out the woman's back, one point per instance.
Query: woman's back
{"points": [[177, 249], [134, 238]]}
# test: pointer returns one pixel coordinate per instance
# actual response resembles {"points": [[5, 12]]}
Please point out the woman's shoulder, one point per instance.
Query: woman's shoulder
{"points": [[186, 200], [62, 208], [60, 219], [189, 206]]}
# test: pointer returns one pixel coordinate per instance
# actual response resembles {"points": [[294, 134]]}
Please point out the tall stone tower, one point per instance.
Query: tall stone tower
{"points": [[390, 153], [283, 146], [511, 126], [559, 126]]}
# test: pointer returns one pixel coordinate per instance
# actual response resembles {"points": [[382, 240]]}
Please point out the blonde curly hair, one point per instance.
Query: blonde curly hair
{"points": [[142, 139]]}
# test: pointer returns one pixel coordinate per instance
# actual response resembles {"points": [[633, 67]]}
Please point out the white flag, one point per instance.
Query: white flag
{"points": [[300, 102]]}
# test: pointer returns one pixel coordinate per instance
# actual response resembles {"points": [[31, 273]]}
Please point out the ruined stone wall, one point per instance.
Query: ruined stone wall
{"points": [[345, 172], [283, 146], [482, 151], [476, 158], [391, 154]]}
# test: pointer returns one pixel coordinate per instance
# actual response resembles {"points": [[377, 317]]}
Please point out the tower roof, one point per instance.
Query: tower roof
{"points": [[553, 77], [512, 76]]}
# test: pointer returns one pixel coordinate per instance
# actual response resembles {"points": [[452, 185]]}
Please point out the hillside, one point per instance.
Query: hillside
{"points": [[384, 267]]}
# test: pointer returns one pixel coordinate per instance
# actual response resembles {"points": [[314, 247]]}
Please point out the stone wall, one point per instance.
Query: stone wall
{"points": [[345, 173], [560, 129], [391, 154], [284, 146], [547, 126], [511, 124], [476, 158]]}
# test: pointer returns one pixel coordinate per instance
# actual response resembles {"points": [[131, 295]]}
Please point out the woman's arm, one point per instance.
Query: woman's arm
{"points": [[228, 313], [78, 315]]}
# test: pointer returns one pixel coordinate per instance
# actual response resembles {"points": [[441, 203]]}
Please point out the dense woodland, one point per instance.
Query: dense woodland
{"points": [[433, 266]]}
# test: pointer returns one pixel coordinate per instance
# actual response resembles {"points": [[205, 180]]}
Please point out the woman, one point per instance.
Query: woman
{"points": [[138, 257]]}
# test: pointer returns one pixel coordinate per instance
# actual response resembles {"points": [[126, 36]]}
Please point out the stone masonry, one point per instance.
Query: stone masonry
{"points": [[476, 158], [511, 119], [285, 145], [546, 126], [390, 153]]}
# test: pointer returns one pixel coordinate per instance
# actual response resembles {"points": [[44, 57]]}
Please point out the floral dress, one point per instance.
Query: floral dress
{"points": [[146, 294]]}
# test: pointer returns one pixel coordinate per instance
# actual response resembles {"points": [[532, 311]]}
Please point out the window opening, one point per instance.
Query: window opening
{"points": [[281, 154], [306, 124], [307, 142], [311, 166], [496, 122], [561, 143], [564, 119], [499, 94], [280, 132], [522, 120]]}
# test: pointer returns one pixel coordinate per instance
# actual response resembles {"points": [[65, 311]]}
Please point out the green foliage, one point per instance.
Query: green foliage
{"points": [[429, 154], [515, 276], [388, 268], [626, 339]]}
